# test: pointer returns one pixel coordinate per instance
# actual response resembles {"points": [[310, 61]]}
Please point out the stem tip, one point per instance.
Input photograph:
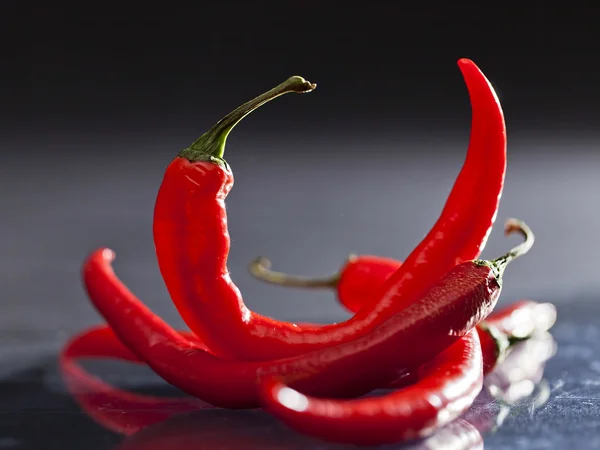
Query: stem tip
{"points": [[211, 145], [513, 226], [299, 84]]}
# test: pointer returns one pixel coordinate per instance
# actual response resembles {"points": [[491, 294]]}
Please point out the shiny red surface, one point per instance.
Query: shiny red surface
{"points": [[449, 310], [192, 245]]}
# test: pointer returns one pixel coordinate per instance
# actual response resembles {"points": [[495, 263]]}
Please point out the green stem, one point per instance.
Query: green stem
{"points": [[514, 340], [261, 269], [211, 145], [512, 226], [501, 340]]}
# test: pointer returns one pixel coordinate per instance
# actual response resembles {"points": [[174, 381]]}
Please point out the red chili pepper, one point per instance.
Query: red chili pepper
{"points": [[355, 282], [497, 340], [444, 391], [361, 276], [128, 413], [494, 347], [192, 241], [450, 309], [522, 368], [364, 274]]}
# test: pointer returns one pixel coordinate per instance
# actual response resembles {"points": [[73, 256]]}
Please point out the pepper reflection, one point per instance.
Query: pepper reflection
{"points": [[186, 423], [119, 411]]}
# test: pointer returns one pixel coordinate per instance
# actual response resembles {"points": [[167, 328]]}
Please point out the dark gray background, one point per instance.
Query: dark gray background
{"points": [[306, 212], [95, 105]]}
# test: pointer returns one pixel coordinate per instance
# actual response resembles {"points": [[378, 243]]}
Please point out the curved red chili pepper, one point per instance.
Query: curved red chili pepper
{"points": [[446, 388], [444, 391], [127, 413], [494, 346], [450, 309], [361, 276], [103, 402], [355, 282], [192, 241]]}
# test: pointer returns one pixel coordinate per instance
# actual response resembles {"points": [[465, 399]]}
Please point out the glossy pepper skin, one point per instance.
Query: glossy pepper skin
{"points": [[439, 395], [100, 342], [363, 274], [127, 413], [192, 241], [494, 347], [451, 308], [445, 389]]}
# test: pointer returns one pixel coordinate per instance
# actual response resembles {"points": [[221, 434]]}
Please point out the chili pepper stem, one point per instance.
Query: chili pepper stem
{"points": [[260, 268], [500, 264], [211, 145], [502, 342]]}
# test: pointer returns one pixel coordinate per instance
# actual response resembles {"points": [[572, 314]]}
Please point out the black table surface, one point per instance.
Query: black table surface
{"points": [[306, 212]]}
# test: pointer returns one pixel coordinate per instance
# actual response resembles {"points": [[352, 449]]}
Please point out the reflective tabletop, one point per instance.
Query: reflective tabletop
{"points": [[544, 397]]}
